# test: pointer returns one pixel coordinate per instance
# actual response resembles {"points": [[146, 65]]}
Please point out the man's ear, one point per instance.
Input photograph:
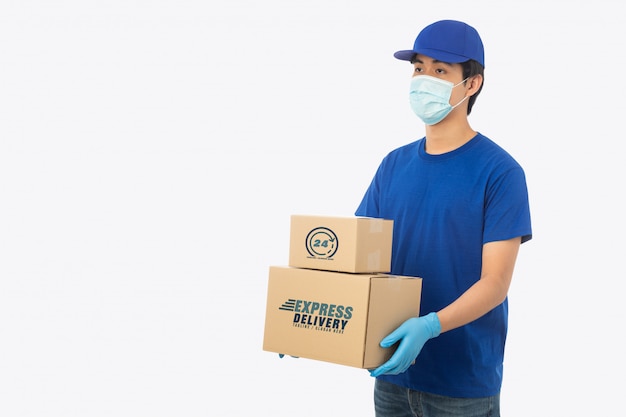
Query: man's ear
{"points": [[474, 84]]}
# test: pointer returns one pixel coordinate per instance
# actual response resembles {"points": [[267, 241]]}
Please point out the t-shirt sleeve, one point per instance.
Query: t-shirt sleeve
{"points": [[507, 210], [369, 206]]}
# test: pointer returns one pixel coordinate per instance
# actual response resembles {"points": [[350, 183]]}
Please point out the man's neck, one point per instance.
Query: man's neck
{"points": [[446, 137]]}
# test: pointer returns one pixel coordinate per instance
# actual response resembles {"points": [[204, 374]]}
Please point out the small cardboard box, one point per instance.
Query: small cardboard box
{"points": [[336, 317], [342, 244]]}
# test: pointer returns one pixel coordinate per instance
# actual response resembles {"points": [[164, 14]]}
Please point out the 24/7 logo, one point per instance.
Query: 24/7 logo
{"points": [[322, 243]]}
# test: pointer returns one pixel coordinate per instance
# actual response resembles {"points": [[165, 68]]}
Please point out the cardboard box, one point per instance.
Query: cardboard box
{"points": [[336, 317], [343, 244]]}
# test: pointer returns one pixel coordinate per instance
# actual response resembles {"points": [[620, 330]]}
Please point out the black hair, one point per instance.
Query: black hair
{"points": [[470, 69]]}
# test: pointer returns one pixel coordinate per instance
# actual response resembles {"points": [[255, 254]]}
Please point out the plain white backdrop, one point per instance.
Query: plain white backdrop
{"points": [[151, 153]]}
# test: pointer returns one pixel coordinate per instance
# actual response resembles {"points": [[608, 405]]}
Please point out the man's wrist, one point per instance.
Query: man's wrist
{"points": [[433, 323]]}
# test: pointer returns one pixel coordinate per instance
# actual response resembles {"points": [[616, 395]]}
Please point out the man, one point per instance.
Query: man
{"points": [[460, 208]]}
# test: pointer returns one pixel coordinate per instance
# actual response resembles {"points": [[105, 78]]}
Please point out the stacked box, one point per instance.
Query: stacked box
{"points": [[335, 301], [341, 244]]}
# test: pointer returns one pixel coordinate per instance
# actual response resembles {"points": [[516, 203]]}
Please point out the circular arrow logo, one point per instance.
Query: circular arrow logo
{"points": [[322, 242]]}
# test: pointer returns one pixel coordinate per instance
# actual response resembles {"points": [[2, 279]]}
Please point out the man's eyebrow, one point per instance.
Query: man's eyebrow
{"points": [[435, 61]]}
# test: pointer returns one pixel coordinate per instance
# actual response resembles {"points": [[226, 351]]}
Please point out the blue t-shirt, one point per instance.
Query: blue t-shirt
{"points": [[444, 208]]}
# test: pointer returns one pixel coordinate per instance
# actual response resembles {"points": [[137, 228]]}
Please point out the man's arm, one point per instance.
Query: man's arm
{"points": [[490, 290], [497, 271]]}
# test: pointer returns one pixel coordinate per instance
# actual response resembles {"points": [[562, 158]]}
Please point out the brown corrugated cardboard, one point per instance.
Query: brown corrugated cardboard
{"points": [[343, 244], [336, 317]]}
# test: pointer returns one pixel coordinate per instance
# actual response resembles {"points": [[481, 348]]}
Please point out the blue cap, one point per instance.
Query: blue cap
{"points": [[448, 41]]}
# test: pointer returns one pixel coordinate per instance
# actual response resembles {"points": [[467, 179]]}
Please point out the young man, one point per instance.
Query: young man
{"points": [[460, 208]]}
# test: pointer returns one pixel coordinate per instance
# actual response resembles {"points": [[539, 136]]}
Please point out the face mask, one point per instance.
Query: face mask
{"points": [[430, 98]]}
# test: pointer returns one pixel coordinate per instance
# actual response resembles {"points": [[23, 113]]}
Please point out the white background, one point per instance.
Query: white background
{"points": [[152, 151]]}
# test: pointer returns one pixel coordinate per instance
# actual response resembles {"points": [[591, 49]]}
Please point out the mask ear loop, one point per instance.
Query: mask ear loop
{"points": [[462, 81], [453, 107], [466, 97]]}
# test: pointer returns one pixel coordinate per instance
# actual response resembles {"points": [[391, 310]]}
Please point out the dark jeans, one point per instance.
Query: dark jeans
{"points": [[394, 401]]}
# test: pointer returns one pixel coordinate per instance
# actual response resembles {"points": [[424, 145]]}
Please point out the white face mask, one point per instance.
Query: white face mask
{"points": [[430, 98]]}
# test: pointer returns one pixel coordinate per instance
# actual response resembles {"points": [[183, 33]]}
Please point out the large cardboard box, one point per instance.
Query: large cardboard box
{"points": [[334, 316], [344, 244]]}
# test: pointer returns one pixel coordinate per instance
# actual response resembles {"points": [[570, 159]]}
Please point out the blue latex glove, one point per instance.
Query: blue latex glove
{"points": [[412, 334], [282, 355]]}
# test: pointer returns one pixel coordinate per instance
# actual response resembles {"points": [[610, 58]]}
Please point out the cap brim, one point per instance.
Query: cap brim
{"points": [[433, 53], [404, 55]]}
